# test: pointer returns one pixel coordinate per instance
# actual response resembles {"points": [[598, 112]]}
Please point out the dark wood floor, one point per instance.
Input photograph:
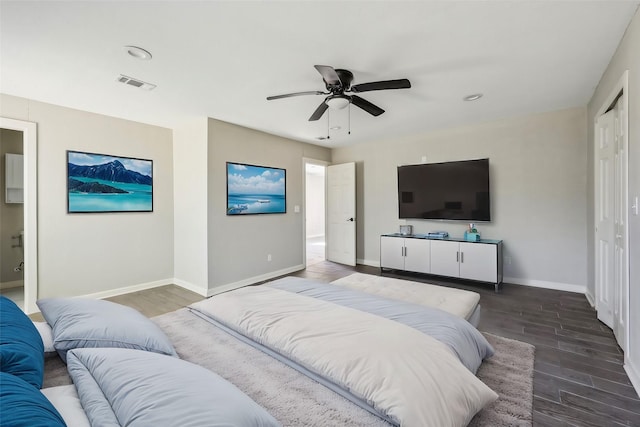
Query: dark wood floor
{"points": [[578, 380]]}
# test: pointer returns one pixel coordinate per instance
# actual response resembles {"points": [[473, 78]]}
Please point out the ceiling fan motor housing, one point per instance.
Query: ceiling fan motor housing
{"points": [[345, 76]]}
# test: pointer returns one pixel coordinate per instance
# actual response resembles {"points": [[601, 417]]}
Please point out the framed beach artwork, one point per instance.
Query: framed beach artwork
{"points": [[255, 189], [105, 183]]}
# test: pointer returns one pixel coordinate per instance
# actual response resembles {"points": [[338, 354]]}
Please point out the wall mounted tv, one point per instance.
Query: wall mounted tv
{"points": [[450, 191]]}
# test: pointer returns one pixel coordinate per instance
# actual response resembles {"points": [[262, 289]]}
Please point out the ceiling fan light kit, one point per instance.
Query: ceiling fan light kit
{"points": [[337, 102], [341, 93]]}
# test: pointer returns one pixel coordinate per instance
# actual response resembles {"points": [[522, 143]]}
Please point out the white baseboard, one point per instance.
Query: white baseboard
{"points": [[634, 375], [190, 287], [313, 236], [590, 298], [128, 289], [252, 280], [370, 263], [547, 285], [13, 284]]}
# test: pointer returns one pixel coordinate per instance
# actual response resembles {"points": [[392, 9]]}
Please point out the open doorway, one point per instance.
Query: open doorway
{"points": [[26, 237], [315, 212], [12, 215]]}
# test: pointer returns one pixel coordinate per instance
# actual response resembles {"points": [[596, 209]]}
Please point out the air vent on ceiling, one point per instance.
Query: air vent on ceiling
{"points": [[135, 82]]}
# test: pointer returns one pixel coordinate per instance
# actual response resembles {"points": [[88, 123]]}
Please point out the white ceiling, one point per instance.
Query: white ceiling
{"points": [[222, 59]]}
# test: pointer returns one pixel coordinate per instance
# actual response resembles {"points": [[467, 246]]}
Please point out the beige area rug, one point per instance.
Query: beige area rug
{"points": [[510, 374], [296, 400]]}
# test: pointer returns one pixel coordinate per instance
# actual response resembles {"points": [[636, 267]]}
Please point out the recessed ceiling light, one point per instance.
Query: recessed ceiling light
{"points": [[473, 97], [335, 128], [138, 52]]}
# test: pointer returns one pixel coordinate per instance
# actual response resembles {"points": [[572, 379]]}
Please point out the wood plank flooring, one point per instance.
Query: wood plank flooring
{"points": [[578, 380]]}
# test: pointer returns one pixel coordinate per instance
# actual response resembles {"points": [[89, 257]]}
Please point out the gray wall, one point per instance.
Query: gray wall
{"points": [[625, 58], [80, 254], [238, 245], [11, 214], [538, 191]]}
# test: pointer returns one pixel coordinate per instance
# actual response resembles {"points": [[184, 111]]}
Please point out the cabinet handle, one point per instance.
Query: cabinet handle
{"points": [[457, 256], [461, 256], [405, 251]]}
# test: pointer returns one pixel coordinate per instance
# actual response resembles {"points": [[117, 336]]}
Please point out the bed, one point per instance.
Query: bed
{"points": [[381, 391], [465, 304]]}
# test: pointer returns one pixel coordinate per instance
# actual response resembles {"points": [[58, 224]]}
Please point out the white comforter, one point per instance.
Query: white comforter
{"points": [[407, 376]]}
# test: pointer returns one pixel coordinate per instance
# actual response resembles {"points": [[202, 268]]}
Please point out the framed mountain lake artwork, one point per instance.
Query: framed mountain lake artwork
{"points": [[255, 190], [105, 183]]}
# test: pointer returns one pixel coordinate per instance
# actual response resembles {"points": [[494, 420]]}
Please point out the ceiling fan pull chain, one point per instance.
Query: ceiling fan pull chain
{"points": [[328, 120], [349, 117]]}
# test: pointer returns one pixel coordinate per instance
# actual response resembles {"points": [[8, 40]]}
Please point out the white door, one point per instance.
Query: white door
{"points": [[341, 213], [605, 217], [445, 258], [392, 252], [621, 269], [417, 255], [478, 262]]}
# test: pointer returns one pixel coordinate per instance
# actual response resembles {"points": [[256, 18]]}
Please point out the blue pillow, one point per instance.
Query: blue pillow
{"points": [[91, 323], [21, 348], [21, 404]]}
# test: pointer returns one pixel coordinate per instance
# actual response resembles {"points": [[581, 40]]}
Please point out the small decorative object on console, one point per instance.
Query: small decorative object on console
{"points": [[472, 235], [406, 230], [438, 234]]}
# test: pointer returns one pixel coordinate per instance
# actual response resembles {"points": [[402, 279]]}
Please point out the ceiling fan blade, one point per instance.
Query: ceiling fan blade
{"points": [[366, 105], [382, 85], [319, 112], [328, 74], [289, 95]]}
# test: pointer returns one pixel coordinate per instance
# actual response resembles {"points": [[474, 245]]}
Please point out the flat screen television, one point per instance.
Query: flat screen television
{"points": [[449, 191]]}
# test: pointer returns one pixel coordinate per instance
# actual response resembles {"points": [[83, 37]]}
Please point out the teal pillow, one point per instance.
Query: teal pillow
{"points": [[21, 348], [23, 405]]}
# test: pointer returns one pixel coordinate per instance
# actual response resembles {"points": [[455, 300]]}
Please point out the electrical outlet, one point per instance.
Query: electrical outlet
{"points": [[507, 259], [269, 257]]}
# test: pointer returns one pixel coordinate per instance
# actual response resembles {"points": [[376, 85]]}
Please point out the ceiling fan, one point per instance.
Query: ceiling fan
{"points": [[341, 93]]}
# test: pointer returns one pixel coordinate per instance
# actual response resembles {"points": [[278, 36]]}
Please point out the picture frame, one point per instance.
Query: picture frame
{"points": [[256, 190], [100, 183]]}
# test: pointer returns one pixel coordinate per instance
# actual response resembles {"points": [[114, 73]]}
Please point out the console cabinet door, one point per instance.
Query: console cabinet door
{"points": [[479, 262], [444, 258], [392, 252], [417, 255]]}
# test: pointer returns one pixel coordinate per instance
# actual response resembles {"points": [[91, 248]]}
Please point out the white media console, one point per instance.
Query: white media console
{"points": [[451, 257]]}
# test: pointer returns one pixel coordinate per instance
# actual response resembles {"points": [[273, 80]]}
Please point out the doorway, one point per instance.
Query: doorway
{"points": [[12, 215], [315, 208], [27, 240], [611, 213]]}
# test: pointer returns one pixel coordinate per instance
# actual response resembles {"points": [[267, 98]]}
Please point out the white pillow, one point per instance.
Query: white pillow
{"points": [[93, 323], [46, 333], [66, 401]]}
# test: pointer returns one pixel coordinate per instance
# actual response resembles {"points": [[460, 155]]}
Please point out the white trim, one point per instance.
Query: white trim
{"points": [[314, 236], [590, 298], [190, 287], [621, 86], [369, 262], [12, 284], [633, 373], [253, 280], [127, 289], [569, 287], [30, 151]]}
